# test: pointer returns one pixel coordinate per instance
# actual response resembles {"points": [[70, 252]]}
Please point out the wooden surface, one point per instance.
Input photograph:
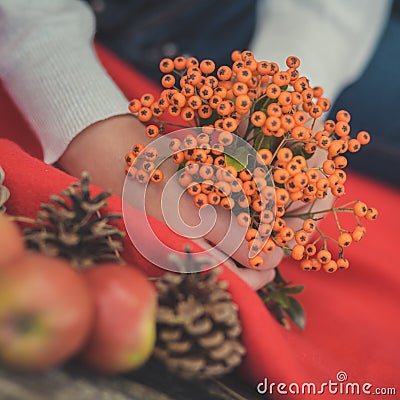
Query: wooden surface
{"points": [[74, 382]]}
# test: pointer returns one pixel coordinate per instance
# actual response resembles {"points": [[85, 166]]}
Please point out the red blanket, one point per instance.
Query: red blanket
{"points": [[352, 316]]}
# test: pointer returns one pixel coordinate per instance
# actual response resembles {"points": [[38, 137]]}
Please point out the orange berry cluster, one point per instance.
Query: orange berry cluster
{"points": [[276, 112], [143, 168]]}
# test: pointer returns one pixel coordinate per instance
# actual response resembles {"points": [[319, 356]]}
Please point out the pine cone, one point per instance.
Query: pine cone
{"points": [[71, 226], [4, 192], [198, 325]]}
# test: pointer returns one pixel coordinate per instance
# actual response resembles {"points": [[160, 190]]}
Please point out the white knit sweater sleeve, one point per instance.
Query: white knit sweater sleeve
{"points": [[333, 39], [48, 65]]}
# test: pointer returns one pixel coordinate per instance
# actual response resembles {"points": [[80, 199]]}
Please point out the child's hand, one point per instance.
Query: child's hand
{"points": [[100, 149]]}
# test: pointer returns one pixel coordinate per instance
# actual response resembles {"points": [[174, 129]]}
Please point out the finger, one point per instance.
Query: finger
{"points": [[229, 237], [255, 279]]}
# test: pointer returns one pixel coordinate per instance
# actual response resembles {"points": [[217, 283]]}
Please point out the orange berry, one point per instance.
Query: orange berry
{"points": [[223, 188], [166, 65], [224, 108], [229, 124], [343, 263], [354, 145], [192, 62], [297, 252], [269, 246], [309, 225], [206, 92], [310, 249], [207, 66], [168, 81], [207, 186], [345, 239], [293, 62], [147, 100], [328, 167], [244, 219], [315, 264], [329, 126], [187, 114], [342, 128], [180, 63], [296, 98], [343, 115], [338, 190], [306, 265], [301, 237], [206, 171], [142, 176], [266, 216], [131, 171], [225, 138], [200, 200], [185, 179], [284, 154], [245, 175], [258, 118], [194, 102], [144, 114], [205, 111], [324, 256], [363, 137], [251, 233], [264, 156], [324, 103], [227, 203], [137, 148], [249, 188], [194, 188], [330, 266], [214, 198], [281, 78], [134, 106], [281, 175], [358, 233], [285, 99], [178, 157], [315, 111], [360, 209], [273, 91], [340, 162], [151, 153], [130, 158], [224, 73], [265, 230], [173, 110], [152, 131], [157, 176], [279, 224], [256, 262], [244, 75], [371, 214], [287, 233]]}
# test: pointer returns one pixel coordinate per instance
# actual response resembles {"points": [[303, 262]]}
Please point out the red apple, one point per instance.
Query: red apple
{"points": [[46, 312], [124, 329], [11, 241]]}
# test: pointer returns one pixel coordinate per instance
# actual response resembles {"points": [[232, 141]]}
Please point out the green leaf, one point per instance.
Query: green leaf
{"points": [[293, 289], [296, 312], [287, 252], [240, 159]]}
